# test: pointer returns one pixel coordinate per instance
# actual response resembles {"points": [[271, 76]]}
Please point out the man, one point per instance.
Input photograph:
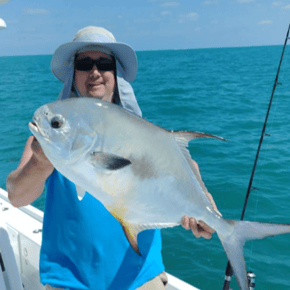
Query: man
{"points": [[83, 246]]}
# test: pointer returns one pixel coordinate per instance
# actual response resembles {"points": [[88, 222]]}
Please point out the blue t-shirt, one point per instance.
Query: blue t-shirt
{"points": [[84, 246]]}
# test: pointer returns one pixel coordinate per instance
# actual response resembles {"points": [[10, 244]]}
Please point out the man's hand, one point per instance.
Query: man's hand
{"points": [[38, 153], [200, 229]]}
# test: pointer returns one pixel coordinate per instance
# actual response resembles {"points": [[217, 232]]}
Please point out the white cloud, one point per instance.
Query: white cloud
{"points": [[164, 13], [244, 1], [210, 2], [192, 15], [150, 19], [170, 4], [34, 11], [265, 22], [280, 4]]}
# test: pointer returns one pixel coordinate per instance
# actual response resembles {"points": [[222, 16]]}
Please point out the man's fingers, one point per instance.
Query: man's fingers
{"points": [[206, 227], [194, 227], [190, 223], [200, 229], [185, 222]]}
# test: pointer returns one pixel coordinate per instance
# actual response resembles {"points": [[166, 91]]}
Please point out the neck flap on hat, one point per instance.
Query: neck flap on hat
{"points": [[127, 97], [66, 91]]}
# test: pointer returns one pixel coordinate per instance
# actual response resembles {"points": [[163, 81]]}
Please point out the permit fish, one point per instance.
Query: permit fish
{"points": [[142, 173]]}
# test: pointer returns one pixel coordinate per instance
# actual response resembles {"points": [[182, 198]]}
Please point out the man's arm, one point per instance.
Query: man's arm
{"points": [[26, 183]]}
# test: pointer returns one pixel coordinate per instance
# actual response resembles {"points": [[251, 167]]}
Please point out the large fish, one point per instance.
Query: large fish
{"points": [[141, 173]]}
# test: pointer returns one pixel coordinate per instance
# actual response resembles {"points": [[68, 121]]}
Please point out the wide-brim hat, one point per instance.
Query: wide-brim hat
{"points": [[92, 37]]}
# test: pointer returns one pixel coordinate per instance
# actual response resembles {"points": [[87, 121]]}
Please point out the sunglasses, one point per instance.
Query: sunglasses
{"points": [[102, 64]]}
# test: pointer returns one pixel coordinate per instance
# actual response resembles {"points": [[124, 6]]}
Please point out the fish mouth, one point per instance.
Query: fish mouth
{"points": [[34, 127]]}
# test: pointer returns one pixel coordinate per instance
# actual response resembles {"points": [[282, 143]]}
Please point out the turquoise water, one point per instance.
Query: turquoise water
{"points": [[221, 91]]}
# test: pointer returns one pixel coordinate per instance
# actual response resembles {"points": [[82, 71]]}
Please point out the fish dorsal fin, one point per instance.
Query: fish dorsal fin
{"points": [[185, 136], [109, 161], [81, 192], [182, 138]]}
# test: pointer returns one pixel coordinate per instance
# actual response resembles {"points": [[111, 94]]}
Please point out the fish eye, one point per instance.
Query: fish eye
{"points": [[56, 122]]}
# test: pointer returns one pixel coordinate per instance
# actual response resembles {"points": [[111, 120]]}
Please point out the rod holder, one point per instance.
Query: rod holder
{"points": [[251, 280]]}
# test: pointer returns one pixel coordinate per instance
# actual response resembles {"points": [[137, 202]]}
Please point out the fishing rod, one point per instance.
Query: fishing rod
{"points": [[229, 270]]}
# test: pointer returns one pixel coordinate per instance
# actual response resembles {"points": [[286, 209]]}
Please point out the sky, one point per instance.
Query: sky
{"points": [[38, 27]]}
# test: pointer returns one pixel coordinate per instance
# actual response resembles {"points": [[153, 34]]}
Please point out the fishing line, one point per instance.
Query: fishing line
{"points": [[229, 271]]}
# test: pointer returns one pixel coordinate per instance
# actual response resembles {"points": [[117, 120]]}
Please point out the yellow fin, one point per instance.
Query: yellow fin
{"points": [[130, 231], [131, 234]]}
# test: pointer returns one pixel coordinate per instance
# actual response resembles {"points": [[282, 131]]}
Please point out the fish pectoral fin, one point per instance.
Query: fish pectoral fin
{"points": [[109, 161], [81, 192], [131, 233]]}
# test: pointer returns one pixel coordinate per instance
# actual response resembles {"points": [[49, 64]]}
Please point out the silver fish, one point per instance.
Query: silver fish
{"points": [[141, 173]]}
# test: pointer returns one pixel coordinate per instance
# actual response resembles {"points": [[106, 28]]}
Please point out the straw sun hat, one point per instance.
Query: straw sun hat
{"points": [[95, 36]]}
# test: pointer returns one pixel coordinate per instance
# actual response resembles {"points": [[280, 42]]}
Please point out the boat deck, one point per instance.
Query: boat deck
{"points": [[20, 241]]}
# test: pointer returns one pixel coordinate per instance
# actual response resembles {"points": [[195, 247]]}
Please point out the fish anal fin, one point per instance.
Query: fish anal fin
{"points": [[130, 231], [109, 161], [131, 234]]}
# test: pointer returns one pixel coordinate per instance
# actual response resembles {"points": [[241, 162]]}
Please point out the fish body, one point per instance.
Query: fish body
{"points": [[142, 173]]}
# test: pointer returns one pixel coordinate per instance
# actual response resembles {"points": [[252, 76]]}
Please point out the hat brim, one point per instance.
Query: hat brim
{"points": [[125, 56]]}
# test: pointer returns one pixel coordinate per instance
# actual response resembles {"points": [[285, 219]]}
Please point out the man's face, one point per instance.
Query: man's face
{"points": [[95, 83]]}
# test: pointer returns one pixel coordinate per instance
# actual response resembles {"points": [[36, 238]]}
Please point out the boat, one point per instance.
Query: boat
{"points": [[20, 242]]}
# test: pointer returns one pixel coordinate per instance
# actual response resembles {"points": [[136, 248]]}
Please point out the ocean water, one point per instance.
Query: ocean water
{"points": [[222, 91]]}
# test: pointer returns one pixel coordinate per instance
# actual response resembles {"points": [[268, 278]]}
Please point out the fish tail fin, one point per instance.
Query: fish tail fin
{"points": [[243, 231]]}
